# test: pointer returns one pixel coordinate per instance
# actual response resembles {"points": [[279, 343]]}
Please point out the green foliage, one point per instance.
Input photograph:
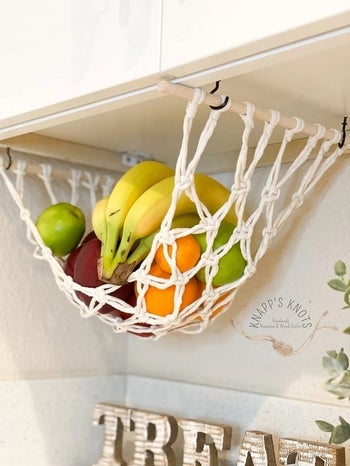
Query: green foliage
{"points": [[336, 364], [341, 284], [339, 433]]}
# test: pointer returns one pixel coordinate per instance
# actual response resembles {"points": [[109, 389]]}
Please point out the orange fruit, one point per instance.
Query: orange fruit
{"points": [[188, 253], [161, 301]]}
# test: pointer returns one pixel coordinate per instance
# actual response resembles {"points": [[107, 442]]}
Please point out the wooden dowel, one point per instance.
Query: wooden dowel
{"points": [[187, 93]]}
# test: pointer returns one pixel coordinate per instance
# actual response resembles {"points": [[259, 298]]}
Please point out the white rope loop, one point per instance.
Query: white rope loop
{"points": [[314, 159]]}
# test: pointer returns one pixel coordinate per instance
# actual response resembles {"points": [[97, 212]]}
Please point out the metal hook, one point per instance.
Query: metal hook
{"points": [[217, 85], [225, 102], [9, 158], [344, 124]]}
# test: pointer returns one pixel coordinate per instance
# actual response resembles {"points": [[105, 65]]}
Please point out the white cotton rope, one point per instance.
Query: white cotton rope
{"points": [[214, 300]]}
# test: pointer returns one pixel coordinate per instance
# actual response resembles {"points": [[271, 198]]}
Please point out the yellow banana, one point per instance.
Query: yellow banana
{"points": [[98, 219], [147, 213], [125, 192]]}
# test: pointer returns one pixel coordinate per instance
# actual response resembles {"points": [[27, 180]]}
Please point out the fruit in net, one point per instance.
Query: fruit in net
{"points": [[86, 274], [61, 227], [188, 253], [231, 265], [148, 211], [161, 301]]}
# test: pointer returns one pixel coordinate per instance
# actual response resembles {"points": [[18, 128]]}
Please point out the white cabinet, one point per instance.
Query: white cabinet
{"points": [[56, 55], [199, 34], [87, 72]]}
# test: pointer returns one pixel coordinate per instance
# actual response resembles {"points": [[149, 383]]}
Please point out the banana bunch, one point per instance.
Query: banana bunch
{"points": [[127, 220]]}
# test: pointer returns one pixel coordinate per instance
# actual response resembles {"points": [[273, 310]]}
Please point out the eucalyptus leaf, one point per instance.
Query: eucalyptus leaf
{"points": [[339, 385], [340, 434], [347, 329], [337, 284], [332, 354], [332, 366], [347, 295], [325, 426], [343, 359], [340, 268], [343, 422]]}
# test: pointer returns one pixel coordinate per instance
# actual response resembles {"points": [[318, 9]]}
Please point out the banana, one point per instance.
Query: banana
{"points": [[147, 213], [98, 219], [125, 192], [145, 243]]}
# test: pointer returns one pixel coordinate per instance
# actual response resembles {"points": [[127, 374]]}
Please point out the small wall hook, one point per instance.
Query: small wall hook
{"points": [[9, 158], [344, 124], [225, 102], [217, 85]]}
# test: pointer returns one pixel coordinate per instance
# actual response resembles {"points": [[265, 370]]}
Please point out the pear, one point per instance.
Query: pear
{"points": [[231, 265]]}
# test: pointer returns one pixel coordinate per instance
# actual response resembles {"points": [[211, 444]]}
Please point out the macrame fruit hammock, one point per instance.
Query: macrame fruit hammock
{"points": [[318, 153]]}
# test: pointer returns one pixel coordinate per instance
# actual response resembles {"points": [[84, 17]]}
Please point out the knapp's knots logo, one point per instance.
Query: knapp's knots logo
{"points": [[280, 313], [284, 322]]}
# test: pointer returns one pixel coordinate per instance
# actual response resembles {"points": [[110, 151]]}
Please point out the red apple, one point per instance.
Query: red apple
{"points": [[86, 274], [89, 236], [69, 264]]}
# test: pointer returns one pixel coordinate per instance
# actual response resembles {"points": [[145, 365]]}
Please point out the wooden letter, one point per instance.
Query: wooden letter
{"points": [[115, 419], [310, 453], [154, 433], [256, 449], [202, 441]]}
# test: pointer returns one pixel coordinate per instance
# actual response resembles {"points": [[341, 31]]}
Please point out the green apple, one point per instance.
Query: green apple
{"points": [[231, 265], [61, 227]]}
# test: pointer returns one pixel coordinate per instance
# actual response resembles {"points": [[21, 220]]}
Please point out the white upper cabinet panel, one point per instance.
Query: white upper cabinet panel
{"points": [[52, 52], [198, 34]]}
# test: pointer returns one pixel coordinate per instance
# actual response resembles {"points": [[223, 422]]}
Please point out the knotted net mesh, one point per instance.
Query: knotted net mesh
{"points": [[256, 227]]}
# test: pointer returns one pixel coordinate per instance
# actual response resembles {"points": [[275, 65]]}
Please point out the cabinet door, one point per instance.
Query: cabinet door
{"points": [[52, 52], [199, 34]]}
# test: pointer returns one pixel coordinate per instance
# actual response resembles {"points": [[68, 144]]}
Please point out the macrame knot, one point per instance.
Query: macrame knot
{"points": [[184, 182], [298, 199], [209, 259], [269, 232], [271, 193], [46, 253], [100, 295], [242, 188], [166, 237], [24, 214], [209, 224], [210, 295], [243, 231], [250, 270]]}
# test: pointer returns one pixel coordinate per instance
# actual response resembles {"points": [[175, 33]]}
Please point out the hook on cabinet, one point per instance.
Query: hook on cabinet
{"points": [[9, 163], [344, 124], [224, 103]]}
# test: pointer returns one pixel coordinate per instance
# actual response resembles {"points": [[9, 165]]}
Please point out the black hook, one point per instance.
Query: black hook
{"points": [[9, 158], [225, 102], [217, 85], [344, 124]]}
